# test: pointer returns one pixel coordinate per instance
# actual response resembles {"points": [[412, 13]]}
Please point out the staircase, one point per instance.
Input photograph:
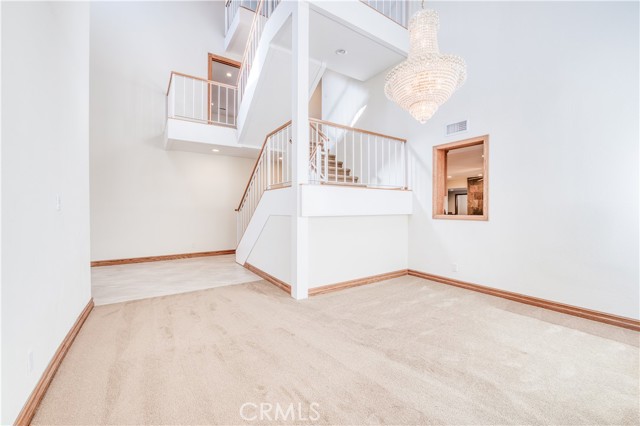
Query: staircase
{"points": [[338, 155], [337, 172], [334, 172]]}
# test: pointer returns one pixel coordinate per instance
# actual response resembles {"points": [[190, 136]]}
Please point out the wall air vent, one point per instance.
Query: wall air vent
{"points": [[455, 128]]}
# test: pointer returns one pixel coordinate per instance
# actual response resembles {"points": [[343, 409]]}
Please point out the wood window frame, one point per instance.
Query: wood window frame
{"points": [[215, 58], [440, 178]]}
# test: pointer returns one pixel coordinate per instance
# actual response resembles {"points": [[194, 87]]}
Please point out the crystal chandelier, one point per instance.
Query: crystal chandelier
{"points": [[427, 78]]}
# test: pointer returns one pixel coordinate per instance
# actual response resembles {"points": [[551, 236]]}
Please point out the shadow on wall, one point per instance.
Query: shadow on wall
{"points": [[342, 97], [420, 178]]}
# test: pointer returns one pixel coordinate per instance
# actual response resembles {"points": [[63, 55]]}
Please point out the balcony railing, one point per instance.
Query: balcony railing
{"points": [[231, 9], [272, 170], [396, 10], [203, 101]]}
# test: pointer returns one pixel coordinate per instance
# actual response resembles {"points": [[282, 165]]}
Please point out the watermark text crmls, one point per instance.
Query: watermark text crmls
{"points": [[266, 411]]}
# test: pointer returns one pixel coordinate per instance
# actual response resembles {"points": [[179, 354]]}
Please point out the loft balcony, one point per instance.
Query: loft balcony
{"points": [[202, 117], [235, 118]]}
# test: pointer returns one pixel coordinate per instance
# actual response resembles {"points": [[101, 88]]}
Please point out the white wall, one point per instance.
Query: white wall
{"points": [[342, 97], [556, 87], [45, 152], [1, 363], [315, 103], [352, 247], [146, 201], [272, 250]]}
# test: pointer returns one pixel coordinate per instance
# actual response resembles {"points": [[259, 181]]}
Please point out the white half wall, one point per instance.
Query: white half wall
{"points": [[45, 187], [352, 247], [337, 200], [555, 85], [146, 201], [272, 250]]}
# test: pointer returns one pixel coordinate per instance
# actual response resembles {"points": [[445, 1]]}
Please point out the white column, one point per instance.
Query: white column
{"points": [[300, 133]]}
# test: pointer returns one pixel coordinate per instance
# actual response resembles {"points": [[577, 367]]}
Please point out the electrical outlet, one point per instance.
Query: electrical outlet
{"points": [[30, 361], [454, 267]]}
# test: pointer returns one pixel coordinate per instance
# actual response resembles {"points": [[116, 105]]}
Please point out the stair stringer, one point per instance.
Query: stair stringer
{"points": [[276, 202], [281, 15], [266, 102]]}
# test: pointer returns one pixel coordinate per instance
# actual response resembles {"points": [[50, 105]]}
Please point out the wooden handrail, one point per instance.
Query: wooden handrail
{"points": [[342, 126], [322, 135], [248, 45], [255, 166], [196, 78], [325, 137]]}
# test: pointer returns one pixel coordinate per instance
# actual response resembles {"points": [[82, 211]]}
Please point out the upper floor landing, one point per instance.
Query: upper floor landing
{"points": [[354, 38]]}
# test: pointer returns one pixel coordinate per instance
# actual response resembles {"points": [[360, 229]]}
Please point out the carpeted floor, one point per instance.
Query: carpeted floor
{"points": [[404, 351]]}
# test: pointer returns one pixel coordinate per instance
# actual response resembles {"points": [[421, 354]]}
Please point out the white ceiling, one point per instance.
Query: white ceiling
{"points": [[206, 148], [365, 56], [465, 162], [224, 73]]}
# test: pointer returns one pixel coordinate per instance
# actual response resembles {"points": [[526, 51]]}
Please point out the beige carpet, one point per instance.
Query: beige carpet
{"points": [[404, 351]]}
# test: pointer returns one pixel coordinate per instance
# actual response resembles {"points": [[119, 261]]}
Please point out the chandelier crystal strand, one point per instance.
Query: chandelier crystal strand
{"points": [[427, 78]]}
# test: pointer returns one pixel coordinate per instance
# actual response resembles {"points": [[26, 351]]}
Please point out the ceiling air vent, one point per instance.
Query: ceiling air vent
{"points": [[455, 128]]}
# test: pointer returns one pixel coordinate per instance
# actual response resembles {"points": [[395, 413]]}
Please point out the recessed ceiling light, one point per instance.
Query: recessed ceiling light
{"points": [[341, 52], [228, 74], [215, 150]]}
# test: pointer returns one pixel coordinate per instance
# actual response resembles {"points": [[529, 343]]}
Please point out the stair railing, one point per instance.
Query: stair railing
{"points": [[272, 170], [352, 156], [396, 10], [231, 8], [263, 12], [338, 155], [196, 99], [317, 141]]}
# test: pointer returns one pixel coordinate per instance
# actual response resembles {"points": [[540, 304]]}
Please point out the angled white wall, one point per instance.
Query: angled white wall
{"points": [[556, 87], [146, 201], [344, 248], [278, 202], [272, 250], [45, 187], [342, 98]]}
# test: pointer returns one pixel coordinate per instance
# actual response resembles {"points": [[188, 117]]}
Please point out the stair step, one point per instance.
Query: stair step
{"points": [[341, 171], [347, 179], [332, 164]]}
